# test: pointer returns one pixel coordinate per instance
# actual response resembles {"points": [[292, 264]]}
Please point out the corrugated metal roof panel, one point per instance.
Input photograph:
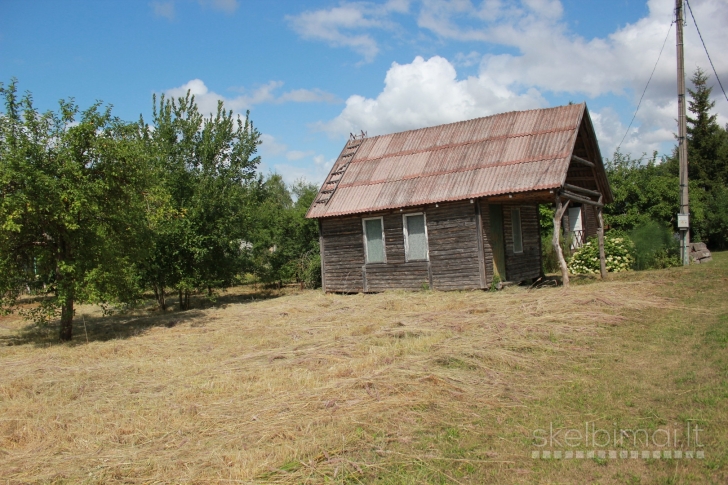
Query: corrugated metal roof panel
{"points": [[365, 149], [500, 154]]}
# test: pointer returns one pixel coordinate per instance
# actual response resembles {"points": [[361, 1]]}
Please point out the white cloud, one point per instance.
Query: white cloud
{"points": [[163, 9], [426, 93], [271, 147], [552, 59], [307, 164], [549, 59], [227, 6], [298, 154], [166, 9], [308, 96], [466, 60], [313, 169], [344, 26], [207, 100], [643, 139]]}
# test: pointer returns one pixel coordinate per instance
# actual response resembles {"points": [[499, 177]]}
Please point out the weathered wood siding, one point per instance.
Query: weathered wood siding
{"points": [[487, 249], [453, 246], [343, 254], [407, 276], [525, 265], [453, 243]]}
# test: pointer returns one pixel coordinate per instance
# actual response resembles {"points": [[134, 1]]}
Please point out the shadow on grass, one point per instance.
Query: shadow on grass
{"points": [[94, 328]]}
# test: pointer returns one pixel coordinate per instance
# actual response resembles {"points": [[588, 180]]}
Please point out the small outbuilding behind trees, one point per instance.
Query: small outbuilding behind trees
{"points": [[455, 206]]}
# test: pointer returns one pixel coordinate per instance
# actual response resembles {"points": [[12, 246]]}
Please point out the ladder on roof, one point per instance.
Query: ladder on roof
{"points": [[337, 172]]}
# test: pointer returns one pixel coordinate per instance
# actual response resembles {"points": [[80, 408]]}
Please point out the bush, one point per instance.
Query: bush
{"points": [[310, 269], [618, 251], [655, 247]]}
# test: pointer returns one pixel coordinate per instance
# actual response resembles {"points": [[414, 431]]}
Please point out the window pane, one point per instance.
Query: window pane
{"points": [[517, 239], [416, 240], [375, 243]]}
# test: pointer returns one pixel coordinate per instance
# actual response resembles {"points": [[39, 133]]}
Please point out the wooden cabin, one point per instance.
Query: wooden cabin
{"points": [[451, 206]]}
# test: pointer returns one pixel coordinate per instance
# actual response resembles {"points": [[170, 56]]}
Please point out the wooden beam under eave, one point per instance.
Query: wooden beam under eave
{"points": [[583, 190], [581, 161], [541, 196], [578, 198]]}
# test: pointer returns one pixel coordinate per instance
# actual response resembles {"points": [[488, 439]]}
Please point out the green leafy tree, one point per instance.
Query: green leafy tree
{"points": [[73, 208], [306, 242], [285, 243], [203, 165], [647, 191]]}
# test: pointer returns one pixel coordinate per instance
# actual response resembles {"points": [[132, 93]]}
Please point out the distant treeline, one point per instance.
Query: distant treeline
{"points": [[96, 209]]}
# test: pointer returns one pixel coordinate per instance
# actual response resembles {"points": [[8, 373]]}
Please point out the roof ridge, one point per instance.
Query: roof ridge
{"points": [[477, 118]]}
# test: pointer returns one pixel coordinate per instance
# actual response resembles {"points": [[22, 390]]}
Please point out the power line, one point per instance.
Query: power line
{"points": [[706, 49], [646, 86]]}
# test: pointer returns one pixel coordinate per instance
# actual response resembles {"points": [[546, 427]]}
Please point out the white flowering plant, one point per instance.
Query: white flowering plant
{"points": [[618, 251]]}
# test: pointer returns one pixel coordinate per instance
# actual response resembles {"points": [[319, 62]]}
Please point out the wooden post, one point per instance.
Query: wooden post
{"points": [[682, 149], [556, 240], [600, 236]]}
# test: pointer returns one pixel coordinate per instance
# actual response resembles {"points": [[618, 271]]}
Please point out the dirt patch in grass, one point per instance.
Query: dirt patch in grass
{"points": [[400, 387]]}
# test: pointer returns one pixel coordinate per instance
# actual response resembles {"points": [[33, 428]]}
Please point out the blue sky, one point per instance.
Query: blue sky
{"points": [[311, 72]]}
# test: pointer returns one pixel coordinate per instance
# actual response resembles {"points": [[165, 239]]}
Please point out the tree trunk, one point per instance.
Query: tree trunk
{"points": [[65, 288], [66, 332], [556, 241], [160, 297], [181, 300]]}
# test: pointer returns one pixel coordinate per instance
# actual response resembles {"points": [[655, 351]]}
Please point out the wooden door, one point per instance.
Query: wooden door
{"points": [[497, 242]]}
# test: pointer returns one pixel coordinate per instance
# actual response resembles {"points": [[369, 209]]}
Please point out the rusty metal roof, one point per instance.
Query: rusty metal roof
{"points": [[507, 153]]}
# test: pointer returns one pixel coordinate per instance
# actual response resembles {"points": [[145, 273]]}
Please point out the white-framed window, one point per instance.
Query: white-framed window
{"points": [[374, 240], [415, 237], [517, 233]]}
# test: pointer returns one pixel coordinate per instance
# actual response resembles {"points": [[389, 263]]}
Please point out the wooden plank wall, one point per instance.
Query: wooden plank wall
{"points": [[524, 265], [392, 276], [343, 253], [487, 249], [453, 249], [453, 244]]}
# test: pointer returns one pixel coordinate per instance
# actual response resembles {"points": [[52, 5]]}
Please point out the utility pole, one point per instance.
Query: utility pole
{"points": [[683, 217]]}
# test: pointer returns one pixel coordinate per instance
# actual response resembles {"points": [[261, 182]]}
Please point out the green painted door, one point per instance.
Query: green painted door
{"points": [[497, 243]]}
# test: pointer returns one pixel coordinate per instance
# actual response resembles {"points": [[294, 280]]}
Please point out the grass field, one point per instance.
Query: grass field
{"points": [[426, 387]]}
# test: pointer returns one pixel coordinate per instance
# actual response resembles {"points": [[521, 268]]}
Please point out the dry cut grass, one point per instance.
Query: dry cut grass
{"points": [[303, 388]]}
